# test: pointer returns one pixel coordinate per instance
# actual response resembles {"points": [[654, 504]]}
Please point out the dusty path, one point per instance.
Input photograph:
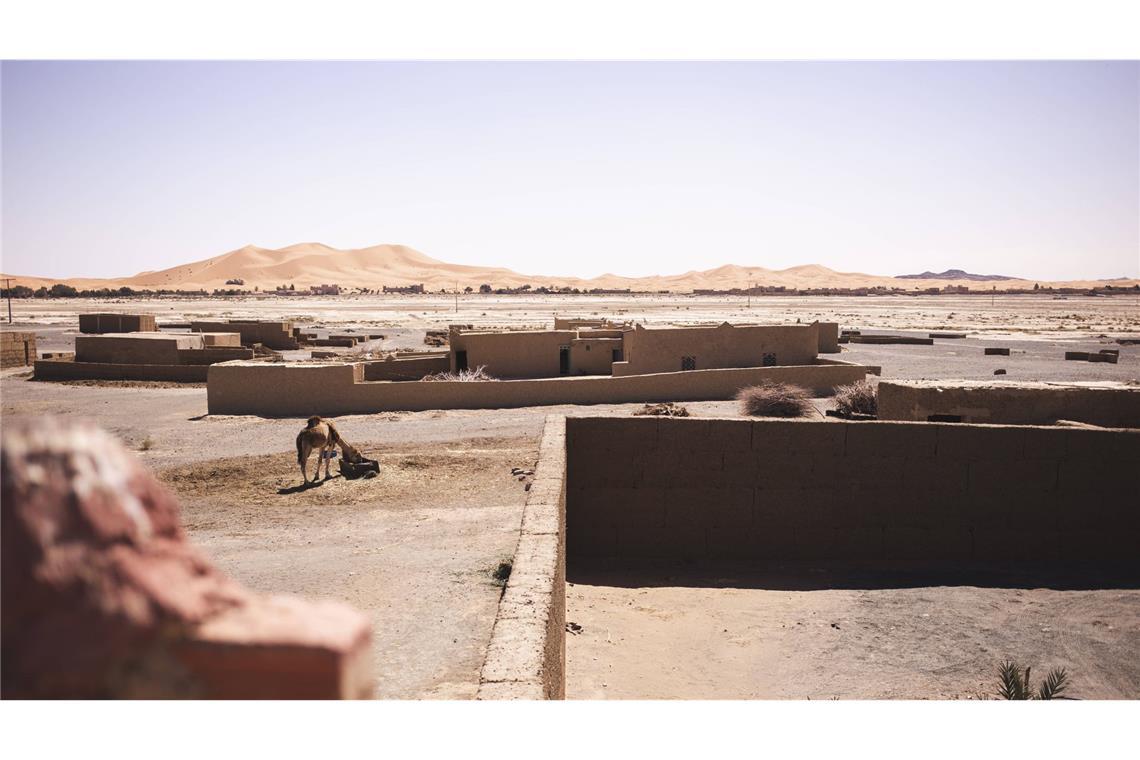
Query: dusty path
{"points": [[736, 639]]}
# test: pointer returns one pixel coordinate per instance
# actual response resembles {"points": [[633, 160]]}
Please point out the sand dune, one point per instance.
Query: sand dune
{"points": [[306, 264]]}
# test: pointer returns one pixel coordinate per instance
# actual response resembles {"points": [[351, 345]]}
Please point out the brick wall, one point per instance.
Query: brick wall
{"points": [[17, 349], [882, 491], [116, 323], [54, 369]]}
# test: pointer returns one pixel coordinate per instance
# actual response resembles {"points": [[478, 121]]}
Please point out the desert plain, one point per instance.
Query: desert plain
{"points": [[416, 548]]}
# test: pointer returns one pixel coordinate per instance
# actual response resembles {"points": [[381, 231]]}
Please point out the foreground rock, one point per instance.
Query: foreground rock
{"points": [[104, 598]]}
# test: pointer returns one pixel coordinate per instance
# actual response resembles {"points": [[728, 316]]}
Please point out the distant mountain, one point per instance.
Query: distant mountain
{"points": [[956, 274], [306, 264]]}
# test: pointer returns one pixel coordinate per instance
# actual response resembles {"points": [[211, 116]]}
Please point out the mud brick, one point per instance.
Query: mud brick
{"points": [[910, 439], [590, 539], [942, 475], [653, 542], [624, 434], [777, 508], [1121, 446], [773, 542], [979, 442], [813, 509], [1017, 545], [619, 506], [669, 469], [740, 468], [595, 468], [996, 511], [1104, 479], [688, 434], [1046, 443], [730, 544], [783, 471], [1020, 477], [935, 545], [1100, 545], [705, 507], [865, 542], [781, 437]]}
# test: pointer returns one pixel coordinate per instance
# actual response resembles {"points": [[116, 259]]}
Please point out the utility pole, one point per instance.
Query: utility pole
{"points": [[8, 284], [457, 297]]}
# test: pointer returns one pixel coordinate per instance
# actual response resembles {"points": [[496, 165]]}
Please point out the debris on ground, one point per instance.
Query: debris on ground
{"points": [[667, 409], [573, 628]]}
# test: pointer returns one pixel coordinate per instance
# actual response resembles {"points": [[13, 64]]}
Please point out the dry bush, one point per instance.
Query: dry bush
{"points": [[775, 400], [477, 375], [857, 398]]}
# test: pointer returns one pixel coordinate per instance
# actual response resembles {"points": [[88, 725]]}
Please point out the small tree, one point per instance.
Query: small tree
{"points": [[1015, 683]]}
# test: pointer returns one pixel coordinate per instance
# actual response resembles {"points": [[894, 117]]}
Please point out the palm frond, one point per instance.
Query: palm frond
{"points": [[1012, 687], [1054, 684]]}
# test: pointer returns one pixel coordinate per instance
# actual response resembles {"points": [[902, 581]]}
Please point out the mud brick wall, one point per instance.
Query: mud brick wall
{"points": [[1010, 403], [17, 349], [57, 369], [406, 369], [289, 389], [116, 323], [723, 489], [213, 354], [526, 657]]}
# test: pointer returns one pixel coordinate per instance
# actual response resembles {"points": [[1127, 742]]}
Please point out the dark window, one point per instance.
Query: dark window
{"points": [[460, 361], [688, 362], [769, 360], [564, 361], [617, 355]]}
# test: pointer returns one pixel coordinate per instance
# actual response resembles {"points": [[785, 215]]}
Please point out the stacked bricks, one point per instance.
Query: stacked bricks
{"points": [[526, 658], [730, 489], [103, 597], [996, 351], [116, 323], [17, 349]]}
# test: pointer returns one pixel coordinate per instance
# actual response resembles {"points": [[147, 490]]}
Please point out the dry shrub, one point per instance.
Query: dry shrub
{"points": [[857, 398], [775, 400], [476, 375]]}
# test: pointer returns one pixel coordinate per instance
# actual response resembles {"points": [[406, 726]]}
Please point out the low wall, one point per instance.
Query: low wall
{"points": [[407, 369], [1114, 405], [17, 349], [286, 390], [212, 355], [526, 658], [53, 369], [275, 335], [116, 323], [732, 489], [828, 337], [135, 348]]}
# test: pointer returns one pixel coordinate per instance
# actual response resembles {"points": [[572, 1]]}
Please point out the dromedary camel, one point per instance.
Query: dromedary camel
{"points": [[319, 435]]}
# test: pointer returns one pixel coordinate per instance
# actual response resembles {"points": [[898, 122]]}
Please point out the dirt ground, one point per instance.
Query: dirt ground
{"points": [[743, 634], [414, 547]]}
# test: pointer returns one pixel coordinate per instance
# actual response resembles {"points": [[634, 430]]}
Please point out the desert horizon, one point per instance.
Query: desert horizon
{"points": [[312, 263]]}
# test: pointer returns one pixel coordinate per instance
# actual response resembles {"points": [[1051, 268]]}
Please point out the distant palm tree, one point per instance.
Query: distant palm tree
{"points": [[1015, 683]]}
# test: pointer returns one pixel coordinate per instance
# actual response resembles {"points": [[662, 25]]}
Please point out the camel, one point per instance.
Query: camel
{"points": [[319, 435]]}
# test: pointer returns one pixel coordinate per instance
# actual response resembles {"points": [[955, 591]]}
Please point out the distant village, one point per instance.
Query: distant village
{"points": [[291, 290]]}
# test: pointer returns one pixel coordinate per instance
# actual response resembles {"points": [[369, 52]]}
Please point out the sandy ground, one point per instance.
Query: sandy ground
{"points": [[414, 547], [805, 634], [1007, 316]]}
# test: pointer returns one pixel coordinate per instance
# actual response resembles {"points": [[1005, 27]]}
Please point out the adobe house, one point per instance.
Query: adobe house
{"points": [[17, 349], [600, 348], [116, 323], [674, 349], [279, 336], [176, 357]]}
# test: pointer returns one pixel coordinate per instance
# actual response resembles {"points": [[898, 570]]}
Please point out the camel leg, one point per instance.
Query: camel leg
{"points": [[304, 464], [328, 462]]}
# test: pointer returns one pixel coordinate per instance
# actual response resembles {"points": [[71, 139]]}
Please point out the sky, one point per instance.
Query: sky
{"points": [[1028, 169]]}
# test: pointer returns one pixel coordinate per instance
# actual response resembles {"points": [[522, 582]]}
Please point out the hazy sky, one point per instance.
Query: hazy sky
{"points": [[1025, 169]]}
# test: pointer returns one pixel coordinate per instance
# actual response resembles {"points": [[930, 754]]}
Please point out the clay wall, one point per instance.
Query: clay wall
{"points": [[17, 349], [593, 355], [651, 350], [1011, 403], [732, 489], [828, 333], [526, 657], [135, 348], [287, 389], [275, 335], [55, 369], [514, 354], [116, 323], [407, 369]]}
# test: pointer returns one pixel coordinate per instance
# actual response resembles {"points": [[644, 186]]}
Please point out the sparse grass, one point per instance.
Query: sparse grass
{"points": [[1015, 683], [147, 444], [477, 375], [775, 400], [857, 398], [502, 572]]}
